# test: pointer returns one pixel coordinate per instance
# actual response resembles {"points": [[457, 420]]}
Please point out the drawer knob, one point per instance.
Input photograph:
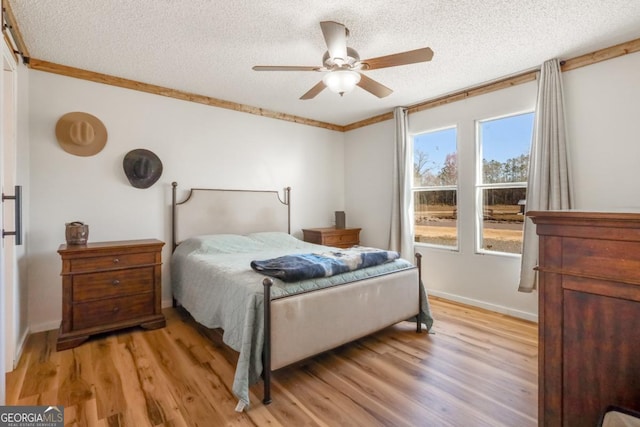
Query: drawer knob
{"points": [[116, 282], [116, 309], [116, 260]]}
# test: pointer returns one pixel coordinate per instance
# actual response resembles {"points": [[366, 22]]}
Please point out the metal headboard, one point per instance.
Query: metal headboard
{"points": [[215, 211]]}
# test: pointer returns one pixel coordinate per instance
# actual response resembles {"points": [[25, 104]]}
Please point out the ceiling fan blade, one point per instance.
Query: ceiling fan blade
{"points": [[284, 68], [403, 58], [372, 86], [314, 91], [335, 35]]}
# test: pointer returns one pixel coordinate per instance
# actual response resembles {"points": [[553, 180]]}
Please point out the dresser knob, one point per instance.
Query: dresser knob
{"points": [[115, 282], [116, 260], [116, 309]]}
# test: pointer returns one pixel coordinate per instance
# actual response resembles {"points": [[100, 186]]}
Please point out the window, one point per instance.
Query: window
{"points": [[435, 187], [503, 146]]}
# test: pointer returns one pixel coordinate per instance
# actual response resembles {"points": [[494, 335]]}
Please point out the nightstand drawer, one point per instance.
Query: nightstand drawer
{"points": [[92, 314], [80, 265], [330, 236], [112, 283], [341, 239]]}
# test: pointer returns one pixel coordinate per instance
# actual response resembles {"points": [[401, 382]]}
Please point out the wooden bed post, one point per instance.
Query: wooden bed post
{"points": [[419, 318], [266, 351]]}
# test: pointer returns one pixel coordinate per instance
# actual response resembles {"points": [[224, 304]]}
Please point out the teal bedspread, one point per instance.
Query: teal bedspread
{"points": [[211, 278]]}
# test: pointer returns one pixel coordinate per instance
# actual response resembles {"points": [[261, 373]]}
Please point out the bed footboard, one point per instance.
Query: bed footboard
{"points": [[320, 318]]}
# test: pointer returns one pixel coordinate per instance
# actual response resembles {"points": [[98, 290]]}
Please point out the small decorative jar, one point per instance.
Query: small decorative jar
{"points": [[76, 233]]}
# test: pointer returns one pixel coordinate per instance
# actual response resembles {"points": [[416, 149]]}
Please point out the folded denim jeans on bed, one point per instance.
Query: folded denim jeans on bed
{"points": [[292, 268]]}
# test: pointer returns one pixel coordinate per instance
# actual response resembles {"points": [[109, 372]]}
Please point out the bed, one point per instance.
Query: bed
{"points": [[271, 322]]}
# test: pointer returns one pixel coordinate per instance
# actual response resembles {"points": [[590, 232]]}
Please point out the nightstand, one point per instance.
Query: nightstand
{"points": [[331, 236], [108, 286]]}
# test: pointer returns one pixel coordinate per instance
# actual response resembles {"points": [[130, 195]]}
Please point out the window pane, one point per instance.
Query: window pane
{"points": [[505, 146], [435, 214], [435, 162], [503, 219]]}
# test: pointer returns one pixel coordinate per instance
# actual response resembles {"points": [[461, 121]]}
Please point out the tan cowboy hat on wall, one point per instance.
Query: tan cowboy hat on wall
{"points": [[81, 134]]}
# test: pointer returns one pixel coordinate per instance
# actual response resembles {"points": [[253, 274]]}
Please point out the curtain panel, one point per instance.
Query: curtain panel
{"points": [[549, 185], [401, 232]]}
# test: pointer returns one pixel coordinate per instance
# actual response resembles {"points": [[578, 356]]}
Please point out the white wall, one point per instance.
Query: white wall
{"points": [[368, 172], [603, 116], [22, 178], [602, 107], [200, 146]]}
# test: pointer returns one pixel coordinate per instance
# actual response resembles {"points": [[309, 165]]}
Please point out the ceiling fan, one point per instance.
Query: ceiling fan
{"points": [[342, 64]]}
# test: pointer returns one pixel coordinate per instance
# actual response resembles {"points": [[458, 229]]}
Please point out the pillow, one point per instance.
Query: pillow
{"points": [[223, 243], [276, 239]]}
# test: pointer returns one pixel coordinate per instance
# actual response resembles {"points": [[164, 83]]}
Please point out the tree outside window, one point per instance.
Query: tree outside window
{"points": [[435, 188], [503, 146]]}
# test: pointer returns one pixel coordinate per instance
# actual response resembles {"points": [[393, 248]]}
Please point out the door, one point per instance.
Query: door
{"points": [[8, 264]]}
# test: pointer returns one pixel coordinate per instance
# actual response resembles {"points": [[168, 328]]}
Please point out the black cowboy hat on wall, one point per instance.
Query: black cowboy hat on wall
{"points": [[142, 167]]}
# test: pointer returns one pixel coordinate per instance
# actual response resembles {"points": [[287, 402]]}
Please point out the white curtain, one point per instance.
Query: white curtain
{"points": [[549, 186], [401, 233]]}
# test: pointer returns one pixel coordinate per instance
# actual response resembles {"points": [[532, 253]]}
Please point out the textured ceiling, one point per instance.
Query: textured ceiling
{"points": [[208, 47]]}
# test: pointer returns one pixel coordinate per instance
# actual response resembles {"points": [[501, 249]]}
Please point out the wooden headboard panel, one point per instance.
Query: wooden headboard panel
{"points": [[216, 211]]}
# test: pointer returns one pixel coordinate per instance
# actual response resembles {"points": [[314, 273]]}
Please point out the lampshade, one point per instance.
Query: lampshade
{"points": [[341, 81]]}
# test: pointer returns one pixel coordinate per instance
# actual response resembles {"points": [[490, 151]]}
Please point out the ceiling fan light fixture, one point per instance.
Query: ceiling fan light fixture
{"points": [[341, 81], [342, 64]]}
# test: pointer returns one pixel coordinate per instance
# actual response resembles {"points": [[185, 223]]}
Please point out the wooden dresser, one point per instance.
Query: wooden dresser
{"points": [[589, 305], [108, 286], [331, 236]]}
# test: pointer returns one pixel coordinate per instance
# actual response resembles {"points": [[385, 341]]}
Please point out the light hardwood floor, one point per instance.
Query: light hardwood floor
{"points": [[476, 368]]}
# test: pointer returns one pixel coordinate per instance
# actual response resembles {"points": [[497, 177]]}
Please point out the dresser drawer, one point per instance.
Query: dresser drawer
{"points": [[112, 283], [111, 310], [80, 265], [615, 260]]}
